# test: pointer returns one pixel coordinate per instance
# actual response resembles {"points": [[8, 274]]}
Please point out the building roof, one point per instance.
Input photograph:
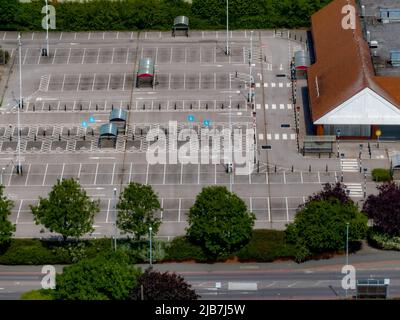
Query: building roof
{"points": [[118, 115], [108, 129], [146, 67], [343, 65]]}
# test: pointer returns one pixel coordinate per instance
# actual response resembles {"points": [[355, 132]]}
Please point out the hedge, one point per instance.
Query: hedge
{"points": [[40, 294], [381, 175], [264, 246]]}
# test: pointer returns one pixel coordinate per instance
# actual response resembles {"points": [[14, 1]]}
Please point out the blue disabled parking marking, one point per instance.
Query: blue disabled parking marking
{"points": [[91, 119], [206, 122], [84, 124], [190, 118]]}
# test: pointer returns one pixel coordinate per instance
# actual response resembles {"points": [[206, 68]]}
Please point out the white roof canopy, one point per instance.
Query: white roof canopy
{"points": [[364, 108]]}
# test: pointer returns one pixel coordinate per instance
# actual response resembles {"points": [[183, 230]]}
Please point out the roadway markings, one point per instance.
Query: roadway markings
{"points": [[356, 189], [349, 165]]}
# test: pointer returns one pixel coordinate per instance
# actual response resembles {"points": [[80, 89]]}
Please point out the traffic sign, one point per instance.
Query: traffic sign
{"points": [[378, 133]]}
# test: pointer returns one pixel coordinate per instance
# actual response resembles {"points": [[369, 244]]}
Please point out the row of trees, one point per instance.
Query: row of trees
{"points": [[159, 14]]}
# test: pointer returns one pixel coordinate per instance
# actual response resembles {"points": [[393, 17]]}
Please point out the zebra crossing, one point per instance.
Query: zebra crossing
{"points": [[274, 85], [355, 189], [44, 83], [281, 136], [280, 106], [349, 165]]}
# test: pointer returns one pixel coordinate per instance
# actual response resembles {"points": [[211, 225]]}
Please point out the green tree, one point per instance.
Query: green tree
{"points": [[6, 227], [109, 277], [8, 12], [220, 222], [137, 206], [162, 286], [68, 210], [320, 226]]}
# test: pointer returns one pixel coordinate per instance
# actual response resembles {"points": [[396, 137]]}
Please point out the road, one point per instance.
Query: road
{"points": [[228, 281]]}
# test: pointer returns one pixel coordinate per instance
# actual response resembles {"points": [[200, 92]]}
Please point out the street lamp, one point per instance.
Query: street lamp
{"points": [[47, 30], [20, 104], [151, 253], [347, 247], [2, 172], [338, 152], [227, 51], [115, 223]]}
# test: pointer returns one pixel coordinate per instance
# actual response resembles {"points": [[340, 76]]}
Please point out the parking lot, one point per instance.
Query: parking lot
{"points": [[90, 74]]}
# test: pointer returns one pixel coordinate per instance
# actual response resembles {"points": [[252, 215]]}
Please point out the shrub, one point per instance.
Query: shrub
{"points": [[381, 175], [37, 252], [40, 294], [383, 241], [266, 246], [181, 249], [4, 56]]}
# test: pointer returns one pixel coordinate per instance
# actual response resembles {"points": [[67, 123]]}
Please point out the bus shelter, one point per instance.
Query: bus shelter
{"points": [[395, 166], [108, 135], [146, 72], [181, 23], [318, 144]]}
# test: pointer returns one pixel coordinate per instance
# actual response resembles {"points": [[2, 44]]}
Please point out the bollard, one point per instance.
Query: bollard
{"points": [[141, 132], [34, 108], [144, 106], [238, 105], [84, 137], [10, 137], [127, 107], [59, 137], [34, 137], [97, 107], [206, 106], [69, 132], [159, 106], [133, 136], [222, 106], [65, 107], [44, 132], [92, 132], [191, 106], [292, 169], [309, 168], [175, 106], [275, 168], [49, 108], [112, 107], [326, 168], [80, 107]]}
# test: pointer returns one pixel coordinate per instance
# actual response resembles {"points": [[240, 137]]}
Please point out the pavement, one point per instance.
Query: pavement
{"points": [[316, 279], [90, 73]]}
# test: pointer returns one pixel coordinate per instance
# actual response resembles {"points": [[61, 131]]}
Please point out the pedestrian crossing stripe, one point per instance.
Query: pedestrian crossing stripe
{"points": [[266, 106], [258, 106], [281, 106], [260, 136], [276, 136], [257, 85], [273, 106], [273, 85], [280, 85], [284, 136], [289, 106], [265, 85]]}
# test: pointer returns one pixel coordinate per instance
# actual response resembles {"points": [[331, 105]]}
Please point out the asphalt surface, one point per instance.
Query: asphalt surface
{"points": [[89, 74], [318, 279]]}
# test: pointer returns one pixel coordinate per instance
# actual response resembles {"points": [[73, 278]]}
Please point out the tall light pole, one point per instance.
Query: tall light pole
{"points": [[151, 253], [227, 51], [47, 29], [2, 172], [20, 103], [250, 65], [347, 246], [115, 224]]}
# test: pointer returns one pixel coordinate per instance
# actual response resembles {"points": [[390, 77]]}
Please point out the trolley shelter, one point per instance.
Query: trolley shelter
{"points": [[181, 23], [146, 72], [301, 62], [372, 288], [318, 144], [108, 135], [395, 166], [118, 117]]}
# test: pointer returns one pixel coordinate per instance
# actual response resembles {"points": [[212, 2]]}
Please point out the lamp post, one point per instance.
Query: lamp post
{"points": [[20, 104], [347, 246], [227, 51], [2, 172], [151, 253], [250, 67], [115, 223], [338, 151], [47, 30]]}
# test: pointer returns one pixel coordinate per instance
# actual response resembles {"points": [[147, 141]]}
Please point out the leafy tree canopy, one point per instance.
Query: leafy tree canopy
{"points": [[219, 221], [6, 227]]}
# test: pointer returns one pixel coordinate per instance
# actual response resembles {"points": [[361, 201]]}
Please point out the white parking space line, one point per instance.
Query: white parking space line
{"points": [[169, 82], [108, 210], [109, 80], [215, 81], [284, 177], [127, 56], [45, 173], [147, 174], [113, 173], [112, 56], [94, 80], [269, 209], [179, 210], [79, 81], [27, 175], [61, 35], [26, 52], [130, 173], [319, 178], [301, 176], [287, 209], [54, 57], [95, 175], [69, 55], [156, 58], [62, 171], [4, 37], [83, 56], [79, 170], [181, 174], [170, 58], [98, 56], [123, 85], [19, 211]]}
